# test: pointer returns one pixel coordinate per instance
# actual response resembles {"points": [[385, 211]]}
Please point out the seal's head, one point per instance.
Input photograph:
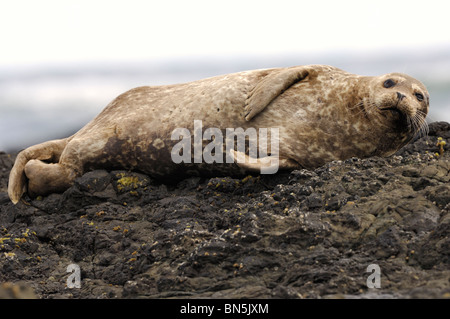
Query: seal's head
{"points": [[399, 104], [404, 98]]}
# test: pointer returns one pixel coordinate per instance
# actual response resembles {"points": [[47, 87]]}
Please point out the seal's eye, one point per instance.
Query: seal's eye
{"points": [[419, 97], [388, 83]]}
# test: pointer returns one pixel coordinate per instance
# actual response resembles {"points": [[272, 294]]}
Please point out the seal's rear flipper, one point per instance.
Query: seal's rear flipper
{"points": [[45, 178], [49, 151], [270, 87]]}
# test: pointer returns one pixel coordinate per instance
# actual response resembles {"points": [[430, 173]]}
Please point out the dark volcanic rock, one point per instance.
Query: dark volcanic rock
{"points": [[304, 234]]}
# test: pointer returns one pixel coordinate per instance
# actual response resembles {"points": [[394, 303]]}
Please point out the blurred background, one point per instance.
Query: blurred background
{"points": [[63, 61]]}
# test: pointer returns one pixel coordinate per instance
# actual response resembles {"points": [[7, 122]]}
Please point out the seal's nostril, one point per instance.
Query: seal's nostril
{"points": [[400, 96]]}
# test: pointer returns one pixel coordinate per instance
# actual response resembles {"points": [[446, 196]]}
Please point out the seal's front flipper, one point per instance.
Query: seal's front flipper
{"points": [[270, 87], [266, 165]]}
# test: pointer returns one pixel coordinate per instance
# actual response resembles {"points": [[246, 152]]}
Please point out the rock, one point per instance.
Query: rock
{"points": [[302, 234], [16, 291]]}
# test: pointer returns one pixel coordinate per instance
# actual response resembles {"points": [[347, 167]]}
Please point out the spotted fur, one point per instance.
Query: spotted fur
{"points": [[323, 114]]}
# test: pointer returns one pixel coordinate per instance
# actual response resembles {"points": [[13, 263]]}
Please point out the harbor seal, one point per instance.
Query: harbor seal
{"points": [[322, 114]]}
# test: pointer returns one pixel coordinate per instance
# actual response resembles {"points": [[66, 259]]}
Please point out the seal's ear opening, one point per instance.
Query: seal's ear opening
{"points": [[270, 87]]}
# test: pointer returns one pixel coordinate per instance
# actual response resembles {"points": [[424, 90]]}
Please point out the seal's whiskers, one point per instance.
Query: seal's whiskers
{"points": [[420, 125], [361, 107]]}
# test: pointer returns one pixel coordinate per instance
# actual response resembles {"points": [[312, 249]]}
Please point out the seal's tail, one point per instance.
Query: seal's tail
{"points": [[49, 151]]}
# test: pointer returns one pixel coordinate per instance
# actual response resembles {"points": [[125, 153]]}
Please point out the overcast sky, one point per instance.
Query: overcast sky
{"points": [[97, 30]]}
